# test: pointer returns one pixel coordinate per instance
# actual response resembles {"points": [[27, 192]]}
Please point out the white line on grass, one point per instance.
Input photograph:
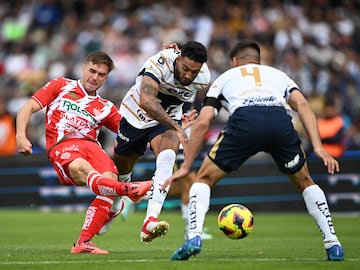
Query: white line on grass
{"points": [[164, 260]]}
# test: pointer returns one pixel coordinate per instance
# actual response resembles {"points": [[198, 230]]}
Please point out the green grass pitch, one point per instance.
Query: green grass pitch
{"points": [[31, 239]]}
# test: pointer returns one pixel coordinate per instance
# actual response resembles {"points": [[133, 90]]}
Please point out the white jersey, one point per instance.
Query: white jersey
{"points": [[252, 85], [172, 94]]}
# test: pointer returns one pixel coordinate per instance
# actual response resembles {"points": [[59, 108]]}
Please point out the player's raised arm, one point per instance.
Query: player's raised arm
{"points": [[298, 102]]}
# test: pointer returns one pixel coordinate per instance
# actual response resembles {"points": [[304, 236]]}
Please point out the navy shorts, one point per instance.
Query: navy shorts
{"points": [[133, 140], [250, 130]]}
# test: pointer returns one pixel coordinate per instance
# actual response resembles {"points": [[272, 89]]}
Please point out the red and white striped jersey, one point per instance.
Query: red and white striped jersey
{"points": [[70, 110]]}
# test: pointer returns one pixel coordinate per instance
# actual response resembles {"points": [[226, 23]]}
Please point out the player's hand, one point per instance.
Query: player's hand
{"points": [[188, 119], [24, 146], [180, 173], [331, 163], [173, 45]]}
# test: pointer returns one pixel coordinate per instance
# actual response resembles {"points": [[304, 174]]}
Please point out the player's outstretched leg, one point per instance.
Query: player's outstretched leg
{"points": [[104, 186], [112, 215]]}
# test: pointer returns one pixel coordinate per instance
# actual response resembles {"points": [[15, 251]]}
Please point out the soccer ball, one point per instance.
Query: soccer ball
{"points": [[236, 221]]}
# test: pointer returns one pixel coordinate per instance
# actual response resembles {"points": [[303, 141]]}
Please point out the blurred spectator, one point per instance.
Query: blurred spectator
{"points": [[7, 131], [318, 42], [353, 135], [332, 128]]}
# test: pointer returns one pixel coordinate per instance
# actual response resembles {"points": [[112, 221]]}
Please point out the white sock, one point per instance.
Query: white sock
{"points": [[318, 208], [164, 169], [184, 215], [184, 211], [117, 200], [199, 203], [153, 209], [116, 204]]}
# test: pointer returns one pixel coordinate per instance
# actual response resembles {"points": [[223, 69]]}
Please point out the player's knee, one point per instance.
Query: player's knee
{"points": [[78, 170], [124, 164]]}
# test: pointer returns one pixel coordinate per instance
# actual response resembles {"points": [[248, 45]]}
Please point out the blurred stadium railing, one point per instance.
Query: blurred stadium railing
{"points": [[30, 182]]}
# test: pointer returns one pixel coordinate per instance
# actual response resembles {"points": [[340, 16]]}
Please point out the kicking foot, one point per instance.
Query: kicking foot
{"points": [[153, 228], [137, 190]]}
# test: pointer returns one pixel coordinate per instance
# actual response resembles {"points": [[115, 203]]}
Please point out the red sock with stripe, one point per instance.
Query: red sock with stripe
{"points": [[104, 186], [96, 215]]}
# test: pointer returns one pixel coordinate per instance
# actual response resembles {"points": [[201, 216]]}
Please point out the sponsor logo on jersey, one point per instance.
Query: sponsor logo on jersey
{"points": [[142, 116], [71, 106], [74, 122], [260, 101], [161, 60], [181, 94]]}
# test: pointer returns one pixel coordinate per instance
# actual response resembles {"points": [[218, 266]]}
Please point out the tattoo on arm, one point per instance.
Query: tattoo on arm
{"points": [[153, 107], [149, 90]]}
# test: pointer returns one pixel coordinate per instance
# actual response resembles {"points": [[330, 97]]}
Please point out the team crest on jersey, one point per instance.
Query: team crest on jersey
{"points": [[73, 95], [96, 111]]}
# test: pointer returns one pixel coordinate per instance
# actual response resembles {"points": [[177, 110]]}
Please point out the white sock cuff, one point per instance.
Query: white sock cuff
{"points": [[166, 156], [201, 186], [117, 204], [310, 189], [153, 209], [104, 198], [202, 191]]}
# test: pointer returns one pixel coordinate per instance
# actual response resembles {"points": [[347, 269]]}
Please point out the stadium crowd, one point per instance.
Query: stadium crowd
{"points": [[316, 42]]}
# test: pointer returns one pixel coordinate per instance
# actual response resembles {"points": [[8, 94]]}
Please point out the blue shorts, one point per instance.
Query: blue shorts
{"points": [[250, 130], [133, 140]]}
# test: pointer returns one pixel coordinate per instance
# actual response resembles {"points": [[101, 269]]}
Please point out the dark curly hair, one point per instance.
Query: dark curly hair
{"points": [[195, 51]]}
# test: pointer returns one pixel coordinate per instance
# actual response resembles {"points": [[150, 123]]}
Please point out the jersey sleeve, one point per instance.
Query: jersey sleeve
{"points": [[46, 94], [214, 95], [112, 121], [291, 86], [160, 64]]}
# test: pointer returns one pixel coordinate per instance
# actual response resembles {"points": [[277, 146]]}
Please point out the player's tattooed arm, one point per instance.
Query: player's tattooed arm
{"points": [[151, 105]]}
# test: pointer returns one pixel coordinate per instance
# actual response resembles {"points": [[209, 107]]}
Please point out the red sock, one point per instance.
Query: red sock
{"points": [[104, 186], [96, 215]]}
